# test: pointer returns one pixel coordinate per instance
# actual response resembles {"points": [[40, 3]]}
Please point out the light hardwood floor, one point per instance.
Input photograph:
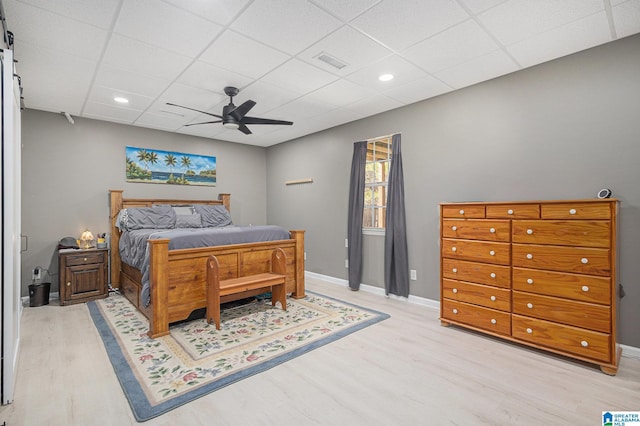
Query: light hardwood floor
{"points": [[406, 370]]}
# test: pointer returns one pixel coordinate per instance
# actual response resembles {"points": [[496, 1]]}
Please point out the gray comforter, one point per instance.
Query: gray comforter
{"points": [[134, 248]]}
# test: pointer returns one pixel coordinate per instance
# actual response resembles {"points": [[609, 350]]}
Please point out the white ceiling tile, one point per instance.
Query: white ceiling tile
{"points": [[402, 71], [340, 46], [237, 53], [109, 112], [345, 10], [130, 81], [47, 29], [341, 92], [132, 55], [582, 34], [99, 13], [418, 90], [626, 18], [209, 77], [517, 20], [267, 96], [479, 69], [451, 47], [105, 95], [401, 23], [299, 77], [337, 117], [477, 6], [166, 26], [205, 131], [301, 108], [159, 121], [289, 26], [373, 105], [220, 11], [180, 94]]}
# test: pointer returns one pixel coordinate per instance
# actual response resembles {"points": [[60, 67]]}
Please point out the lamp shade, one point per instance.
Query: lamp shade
{"points": [[86, 238]]}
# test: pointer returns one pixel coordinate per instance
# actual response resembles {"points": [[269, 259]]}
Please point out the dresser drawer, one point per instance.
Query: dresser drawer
{"points": [[476, 316], [589, 261], [585, 233], [477, 294], [572, 286], [577, 210], [482, 273], [586, 343], [85, 258], [513, 211], [481, 251], [461, 211], [474, 229], [580, 314]]}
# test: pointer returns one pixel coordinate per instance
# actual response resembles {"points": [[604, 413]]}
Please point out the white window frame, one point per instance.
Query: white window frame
{"points": [[377, 158]]}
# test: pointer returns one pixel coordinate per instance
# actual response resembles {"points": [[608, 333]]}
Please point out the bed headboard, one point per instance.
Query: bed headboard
{"points": [[117, 203]]}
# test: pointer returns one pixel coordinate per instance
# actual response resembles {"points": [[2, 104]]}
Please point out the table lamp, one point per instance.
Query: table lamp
{"points": [[87, 239]]}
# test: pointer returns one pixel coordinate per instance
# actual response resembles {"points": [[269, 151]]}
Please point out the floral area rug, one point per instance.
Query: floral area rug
{"points": [[195, 359]]}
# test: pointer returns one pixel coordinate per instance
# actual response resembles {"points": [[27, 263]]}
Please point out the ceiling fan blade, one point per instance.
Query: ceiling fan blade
{"points": [[196, 110], [240, 111], [206, 122], [244, 129], [256, 120]]}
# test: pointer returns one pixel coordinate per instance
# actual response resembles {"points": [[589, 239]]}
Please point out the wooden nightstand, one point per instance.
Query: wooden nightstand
{"points": [[83, 275]]}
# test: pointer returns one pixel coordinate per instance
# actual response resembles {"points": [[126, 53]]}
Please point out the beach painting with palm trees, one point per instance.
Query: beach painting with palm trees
{"points": [[176, 168]]}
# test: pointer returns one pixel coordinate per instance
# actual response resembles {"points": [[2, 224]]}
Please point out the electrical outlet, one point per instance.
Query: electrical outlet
{"points": [[414, 275]]}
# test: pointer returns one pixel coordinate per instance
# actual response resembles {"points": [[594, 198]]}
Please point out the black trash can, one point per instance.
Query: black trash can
{"points": [[39, 294]]}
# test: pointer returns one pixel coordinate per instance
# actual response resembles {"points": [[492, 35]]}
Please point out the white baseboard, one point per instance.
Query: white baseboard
{"points": [[627, 351]]}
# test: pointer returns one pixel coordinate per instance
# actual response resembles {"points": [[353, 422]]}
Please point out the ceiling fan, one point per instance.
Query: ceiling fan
{"points": [[234, 117]]}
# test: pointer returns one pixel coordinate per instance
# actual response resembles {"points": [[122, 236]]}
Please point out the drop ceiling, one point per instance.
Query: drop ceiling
{"points": [[75, 56]]}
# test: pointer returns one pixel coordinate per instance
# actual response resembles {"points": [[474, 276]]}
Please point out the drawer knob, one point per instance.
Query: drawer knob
{"points": [[529, 280], [529, 231], [454, 270], [585, 288], [493, 321], [69, 284], [572, 211], [461, 211], [529, 256], [85, 259], [455, 311], [454, 249], [492, 253], [530, 305], [529, 330], [493, 298], [510, 211], [454, 228], [455, 290], [492, 275], [584, 260], [492, 230], [584, 343]]}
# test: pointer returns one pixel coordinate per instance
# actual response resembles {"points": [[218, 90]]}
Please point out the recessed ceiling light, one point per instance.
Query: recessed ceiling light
{"points": [[121, 100], [385, 77]]}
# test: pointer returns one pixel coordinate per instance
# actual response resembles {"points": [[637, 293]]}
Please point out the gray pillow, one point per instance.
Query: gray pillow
{"points": [[157, 217], [188, 221], [213, 215]]}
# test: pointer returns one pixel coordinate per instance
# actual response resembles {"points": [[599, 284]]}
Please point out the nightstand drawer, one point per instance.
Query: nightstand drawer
{"points": [[85, 258]]}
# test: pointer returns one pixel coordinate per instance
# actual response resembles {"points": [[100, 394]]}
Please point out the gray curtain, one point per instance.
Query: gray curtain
{"points": [[396, 257], [356, 207]]}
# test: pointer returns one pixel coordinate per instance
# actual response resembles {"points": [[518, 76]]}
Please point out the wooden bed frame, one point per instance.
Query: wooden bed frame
{"points": [[178, 277]]}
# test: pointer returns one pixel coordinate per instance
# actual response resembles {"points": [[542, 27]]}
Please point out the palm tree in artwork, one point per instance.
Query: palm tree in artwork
{"points": [[185, 162], [143, 157], [170, 161], [152, 157]]}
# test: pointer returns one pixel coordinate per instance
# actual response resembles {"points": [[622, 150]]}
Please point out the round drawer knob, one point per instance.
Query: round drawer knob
{"points": [[454, 228], [454, 249], [492, 253], [529, 330], [492, 275], [493, 321], [492, 230], [530, 305], [461, 211], [454, 270], [572, 211], [69, 284], [85, 259], [529, 231], [493, 298], [455, 290], [529, 256], [509, 211], [585, 288], [529, 281], [455, 311], [584, 260], [584, 343]]}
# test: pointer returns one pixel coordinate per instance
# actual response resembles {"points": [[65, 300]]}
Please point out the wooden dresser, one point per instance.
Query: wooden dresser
{"points": [[541, 273]]}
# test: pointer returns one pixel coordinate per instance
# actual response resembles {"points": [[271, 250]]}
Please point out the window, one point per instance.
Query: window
{"points": [[375, 190]]}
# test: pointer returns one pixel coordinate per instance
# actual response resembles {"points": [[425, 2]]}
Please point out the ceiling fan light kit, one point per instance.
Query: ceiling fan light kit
{"points": [[234, 117]]}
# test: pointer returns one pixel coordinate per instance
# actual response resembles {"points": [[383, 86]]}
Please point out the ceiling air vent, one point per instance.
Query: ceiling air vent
{"points": [[334, 62]]}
